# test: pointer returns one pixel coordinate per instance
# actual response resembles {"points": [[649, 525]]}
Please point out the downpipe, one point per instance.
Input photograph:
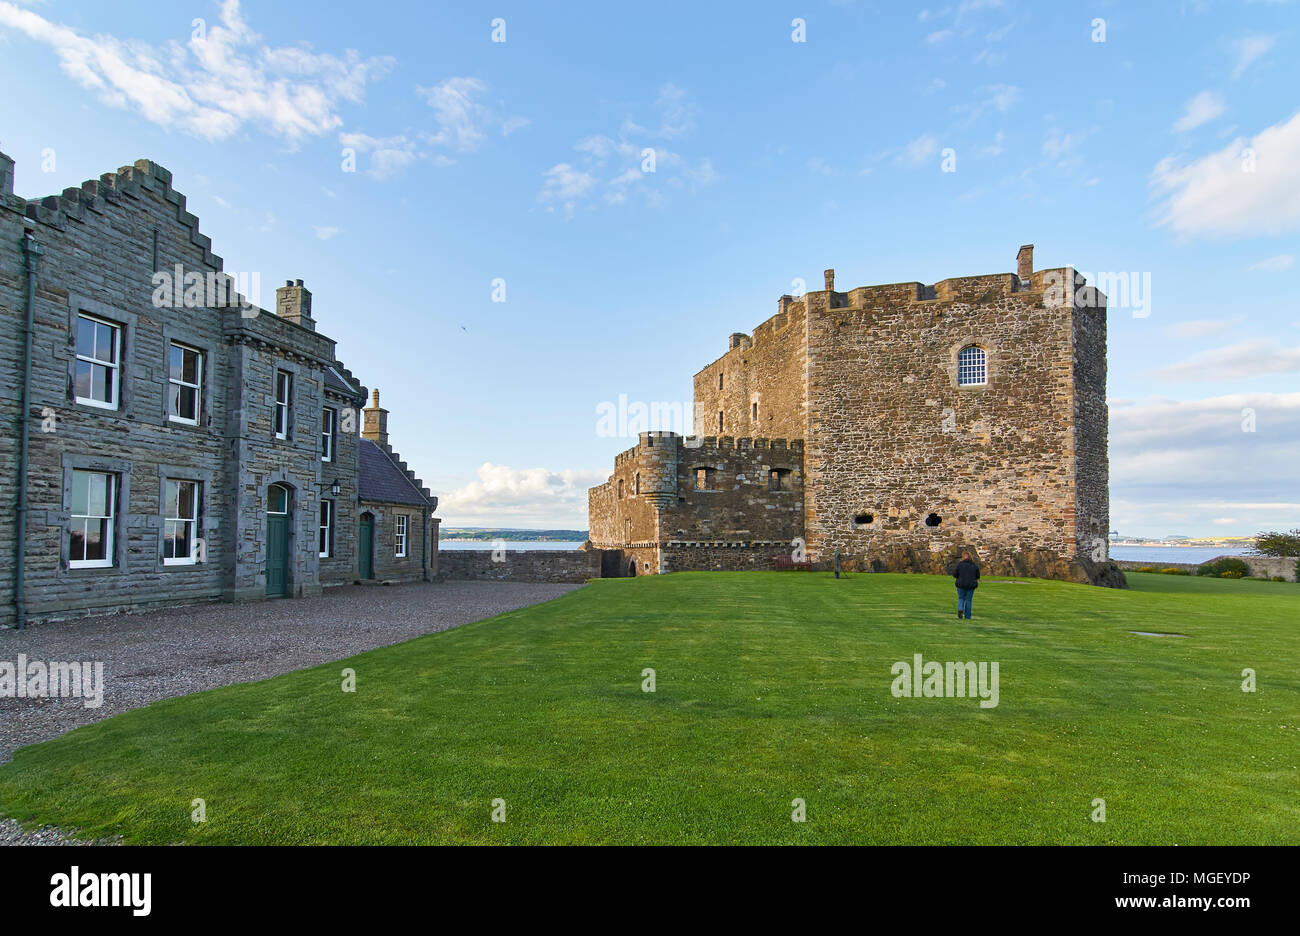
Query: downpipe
{"points": [[32, 251]]}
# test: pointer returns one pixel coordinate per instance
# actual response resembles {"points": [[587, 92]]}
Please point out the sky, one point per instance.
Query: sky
{"points": [[514, 215]]}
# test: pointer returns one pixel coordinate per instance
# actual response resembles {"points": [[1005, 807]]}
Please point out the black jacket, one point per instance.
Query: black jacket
{"points": [[967, 574]]}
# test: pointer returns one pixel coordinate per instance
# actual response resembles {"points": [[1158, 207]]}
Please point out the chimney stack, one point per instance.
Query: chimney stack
{"points": [[830, 281], [6, 175], [293, 302], [374, 424], [1025, 263]]}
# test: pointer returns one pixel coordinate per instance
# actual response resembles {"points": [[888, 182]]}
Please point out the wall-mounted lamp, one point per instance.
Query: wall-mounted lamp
{"points": [[335, 488]]}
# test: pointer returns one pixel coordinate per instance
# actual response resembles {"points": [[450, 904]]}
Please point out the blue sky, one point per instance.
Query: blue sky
{"points": [[521, 161]]}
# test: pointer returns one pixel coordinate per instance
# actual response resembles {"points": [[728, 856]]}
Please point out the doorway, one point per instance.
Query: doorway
{"points": [[366, 546], [277, 540]]}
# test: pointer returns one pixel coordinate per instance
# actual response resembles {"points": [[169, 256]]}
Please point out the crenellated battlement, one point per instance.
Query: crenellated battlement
{"points": [[975, 290]]}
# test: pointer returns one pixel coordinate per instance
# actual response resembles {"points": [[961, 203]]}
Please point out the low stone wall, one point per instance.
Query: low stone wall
{"points": [[1034, 563], [519, 565], [723, 557], [1260, 566]]}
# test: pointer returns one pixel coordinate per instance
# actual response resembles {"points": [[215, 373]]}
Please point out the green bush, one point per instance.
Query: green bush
{"points": [[1146, 569], [1278, 578], [1275, 543], [1226, 564]]}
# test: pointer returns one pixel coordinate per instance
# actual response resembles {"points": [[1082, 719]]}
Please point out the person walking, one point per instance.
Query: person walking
{"points": [[967, 576]]}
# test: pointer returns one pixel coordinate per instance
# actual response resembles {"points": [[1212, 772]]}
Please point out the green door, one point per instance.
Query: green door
{"points": [[277, 541], [366, 547]]}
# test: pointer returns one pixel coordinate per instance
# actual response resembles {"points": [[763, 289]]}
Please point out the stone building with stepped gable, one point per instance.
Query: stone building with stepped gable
{"points": [[894, 425], [182, 444]]}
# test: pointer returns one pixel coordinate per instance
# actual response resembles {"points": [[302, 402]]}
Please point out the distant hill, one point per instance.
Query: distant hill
{"points": [[512, 536]]}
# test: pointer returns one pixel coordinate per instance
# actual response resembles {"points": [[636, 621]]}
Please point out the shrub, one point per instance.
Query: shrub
{"points": [[1145, 569], [1276, 543], [1278, 578], [1230, 574], [1173, 571], [1226, 564]]}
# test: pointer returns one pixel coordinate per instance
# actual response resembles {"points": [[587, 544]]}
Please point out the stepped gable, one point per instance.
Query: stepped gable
{"points": [[127, 182], [385, 477]]}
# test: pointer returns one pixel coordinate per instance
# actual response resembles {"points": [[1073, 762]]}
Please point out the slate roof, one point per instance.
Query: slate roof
{"points": [[335, 381], [382, 480]]}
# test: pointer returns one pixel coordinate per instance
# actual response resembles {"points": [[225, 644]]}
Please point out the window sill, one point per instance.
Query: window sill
{"points": [[97, 404]]}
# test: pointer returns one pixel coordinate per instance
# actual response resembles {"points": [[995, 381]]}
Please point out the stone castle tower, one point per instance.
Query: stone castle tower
{"points": [[893, 424]]}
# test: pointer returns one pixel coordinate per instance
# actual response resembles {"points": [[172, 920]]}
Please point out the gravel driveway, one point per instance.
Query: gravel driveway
{"points": [[159, 654]]}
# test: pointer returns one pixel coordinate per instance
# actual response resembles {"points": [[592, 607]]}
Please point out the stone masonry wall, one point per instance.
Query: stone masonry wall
{"points": [[420, 562], [762, 373], [99, 256], [520, 565], [102, 244], [342, 567], [738, 505], [1260, 566], [662, 500], [893, 439], [1091, 427]]}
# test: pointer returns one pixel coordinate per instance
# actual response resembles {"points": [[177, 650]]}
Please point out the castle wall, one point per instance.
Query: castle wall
{"points": [[1091, 429], [894, 464], [764, 370], [625, 509], [893, 438], [738, 505]]}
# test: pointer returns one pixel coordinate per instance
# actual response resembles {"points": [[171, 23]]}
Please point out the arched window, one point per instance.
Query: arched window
{"points": [[636, 485], [972, 367], [620, 488]]}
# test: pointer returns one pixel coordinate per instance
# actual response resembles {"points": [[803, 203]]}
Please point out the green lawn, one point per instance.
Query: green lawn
{"points": [[770, 686]]}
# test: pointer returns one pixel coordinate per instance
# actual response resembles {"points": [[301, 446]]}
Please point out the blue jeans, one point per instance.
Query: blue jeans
{"points": [[964, 596]]}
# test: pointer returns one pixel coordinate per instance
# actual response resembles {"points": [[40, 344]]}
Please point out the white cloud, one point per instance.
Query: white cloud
{"points": [[1200, 110], [1199, 328], [504, 496], [1254, 358], [919, 150], [1248, 188], [211, 87], [462, 119], [325, 232], [989, 99], [676, 111], [1189, 462], [388, 155], [564, 185], [615, 169], [1278, 264], [1247, 49]]}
